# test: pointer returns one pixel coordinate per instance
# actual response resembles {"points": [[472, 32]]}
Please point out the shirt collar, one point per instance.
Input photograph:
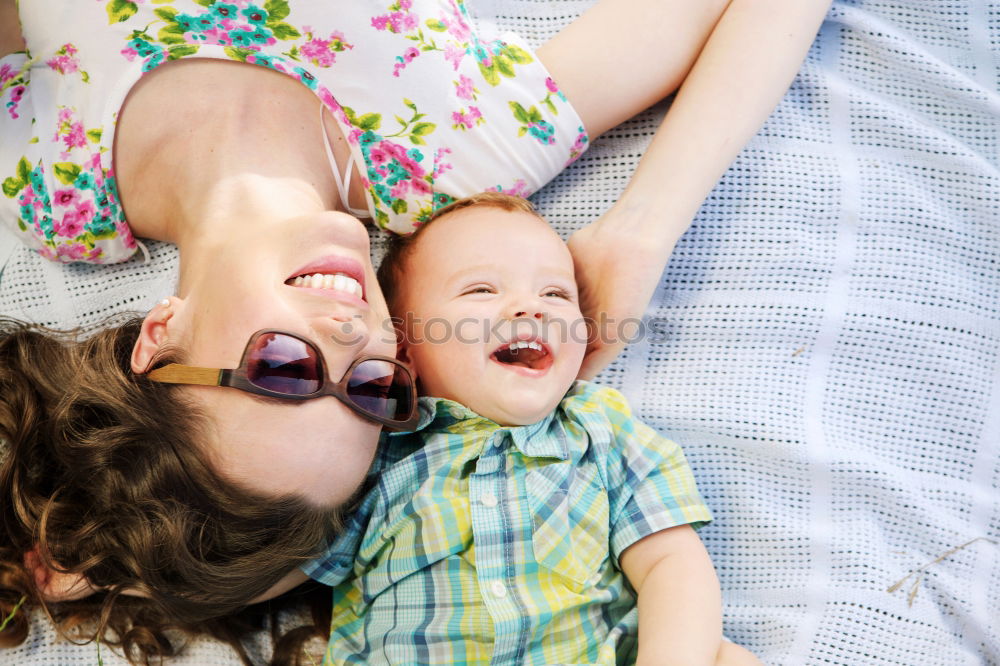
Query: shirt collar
{"points": [[544, 439]]}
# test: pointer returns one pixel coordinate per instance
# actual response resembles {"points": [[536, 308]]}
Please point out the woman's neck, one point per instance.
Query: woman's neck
{"points": [[206, 148]]}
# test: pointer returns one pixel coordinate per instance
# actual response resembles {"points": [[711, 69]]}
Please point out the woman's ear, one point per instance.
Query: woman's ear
{"points": [[403, 349], [153, 334], [56, 585]]}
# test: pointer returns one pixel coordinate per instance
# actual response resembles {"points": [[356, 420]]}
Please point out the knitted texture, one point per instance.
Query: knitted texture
{"points": [[825, 342]]}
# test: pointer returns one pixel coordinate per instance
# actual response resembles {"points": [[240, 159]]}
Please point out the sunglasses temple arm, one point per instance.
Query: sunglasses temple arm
{"points": [[176, 373]]}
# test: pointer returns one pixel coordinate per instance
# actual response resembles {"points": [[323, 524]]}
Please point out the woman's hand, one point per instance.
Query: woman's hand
{"points": [[617, 274]]}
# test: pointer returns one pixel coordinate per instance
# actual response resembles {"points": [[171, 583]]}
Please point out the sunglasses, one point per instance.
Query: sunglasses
{"points": [[283, 365]]}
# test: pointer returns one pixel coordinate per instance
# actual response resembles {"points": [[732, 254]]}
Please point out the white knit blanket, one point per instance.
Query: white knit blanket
{"points": [[831, 356]]}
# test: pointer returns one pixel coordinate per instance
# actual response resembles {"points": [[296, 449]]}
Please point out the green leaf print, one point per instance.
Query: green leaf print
{"points": [[276, 10], [520, 113], [399, 206], [204, 3], [436, 25], [166, 13], [237, 53], [177, 52], [24, 170], [172, 33], [66, 171], [283, 30], [94, 135], [518, 55], [490, 74], [423, 129], [11, 186], [121, 10], [504, 65], [369, 121]]}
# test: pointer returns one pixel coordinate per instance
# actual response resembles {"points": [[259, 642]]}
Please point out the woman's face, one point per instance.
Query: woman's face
{"points": [[319, 449]]}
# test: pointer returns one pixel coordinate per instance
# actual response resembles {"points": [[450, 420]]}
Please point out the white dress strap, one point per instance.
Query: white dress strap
{"points": [[342, 187]]}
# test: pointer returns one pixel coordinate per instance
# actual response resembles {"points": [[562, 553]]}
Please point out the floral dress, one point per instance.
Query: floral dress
{"points": [[433, 109]]}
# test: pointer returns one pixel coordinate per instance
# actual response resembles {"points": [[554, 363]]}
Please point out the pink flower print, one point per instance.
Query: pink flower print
{"points": [[378, 156], [520, 189], [67, 252], [76, 138], [440, 166], [318, 51], [6, 73], [66, 198], [16, 93], [404, 60], [73, 222], [465, 88], [380, 22], [216, 36], [454, 55], [65, 61], [65, 115], [398, 190], [129, 54], [420, 186], [551, 85], [63, 64], [463, 120], [457, 27], [405, 4]]}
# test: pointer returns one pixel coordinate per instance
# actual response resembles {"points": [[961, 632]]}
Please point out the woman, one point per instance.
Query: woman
{"points": [[229, 162]]}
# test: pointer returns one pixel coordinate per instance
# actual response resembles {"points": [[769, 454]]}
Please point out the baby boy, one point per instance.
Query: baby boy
{"points": [[530, 519]]}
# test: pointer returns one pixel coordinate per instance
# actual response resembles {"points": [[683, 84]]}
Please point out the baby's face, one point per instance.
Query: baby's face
{"points": [[491, 314]]}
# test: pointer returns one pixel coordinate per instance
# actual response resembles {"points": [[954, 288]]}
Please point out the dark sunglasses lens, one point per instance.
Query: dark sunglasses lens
{"points": [[284, 364], [381, 388]]}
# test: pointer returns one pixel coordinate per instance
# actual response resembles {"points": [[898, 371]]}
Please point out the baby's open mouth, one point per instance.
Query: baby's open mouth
{"points": [[525, 354]]}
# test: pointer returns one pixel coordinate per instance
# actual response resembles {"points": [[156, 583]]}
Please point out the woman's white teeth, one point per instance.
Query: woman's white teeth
{"points": [[525, 344], [338, 282]]}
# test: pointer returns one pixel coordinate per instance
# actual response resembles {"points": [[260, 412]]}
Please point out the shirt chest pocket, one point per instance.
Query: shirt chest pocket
{"points": [[570, 516]]}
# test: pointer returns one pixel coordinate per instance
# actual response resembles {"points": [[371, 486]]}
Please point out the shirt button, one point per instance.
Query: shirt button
{"points": [[488, 499], [498, 590]]}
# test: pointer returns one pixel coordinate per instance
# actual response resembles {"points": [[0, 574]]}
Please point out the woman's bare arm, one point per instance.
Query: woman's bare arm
{"points": [[11, 39], [730, 81]]}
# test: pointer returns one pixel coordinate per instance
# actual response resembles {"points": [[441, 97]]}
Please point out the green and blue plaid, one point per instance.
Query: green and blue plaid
{"points": [[483, 544]]}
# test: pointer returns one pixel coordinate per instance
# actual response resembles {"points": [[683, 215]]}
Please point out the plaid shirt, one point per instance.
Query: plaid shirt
{"points": [[483, 544]]}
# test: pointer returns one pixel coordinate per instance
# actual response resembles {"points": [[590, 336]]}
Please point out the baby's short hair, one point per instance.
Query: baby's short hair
{"points": [[392, 269]]}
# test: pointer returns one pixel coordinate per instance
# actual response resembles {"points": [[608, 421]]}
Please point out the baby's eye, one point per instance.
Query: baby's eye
{"points": [[558, 293], [479, 289]]}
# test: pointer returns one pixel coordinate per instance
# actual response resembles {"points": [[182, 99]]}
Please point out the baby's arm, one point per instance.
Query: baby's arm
{"points": [[680, 606]]}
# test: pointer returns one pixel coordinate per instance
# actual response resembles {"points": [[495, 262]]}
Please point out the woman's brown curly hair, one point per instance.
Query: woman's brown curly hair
{"points": [[104, 476]]}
